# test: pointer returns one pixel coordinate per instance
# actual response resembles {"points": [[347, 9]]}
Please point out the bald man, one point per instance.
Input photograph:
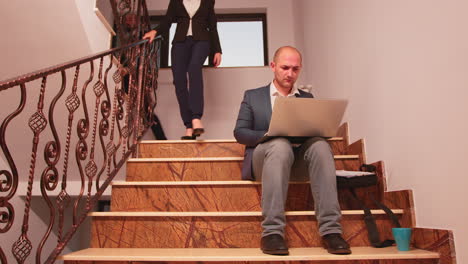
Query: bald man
{"points": [[271, 162]]}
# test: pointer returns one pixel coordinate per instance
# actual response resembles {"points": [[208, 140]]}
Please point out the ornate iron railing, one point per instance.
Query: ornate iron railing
{"points": [[86, 117]]}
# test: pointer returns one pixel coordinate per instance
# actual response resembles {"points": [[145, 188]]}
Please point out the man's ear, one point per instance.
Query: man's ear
{"points": [[272, 65]]}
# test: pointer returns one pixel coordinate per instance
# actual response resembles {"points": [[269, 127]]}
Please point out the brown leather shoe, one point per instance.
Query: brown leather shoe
{"points": [[335, 244], [274, 245]]}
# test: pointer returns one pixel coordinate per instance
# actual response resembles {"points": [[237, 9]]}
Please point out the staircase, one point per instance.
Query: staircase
{"points": [[183, 202]]}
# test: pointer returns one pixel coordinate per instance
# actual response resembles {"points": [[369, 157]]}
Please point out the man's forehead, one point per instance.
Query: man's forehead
{"points": [[289, 59], [288, 64]]}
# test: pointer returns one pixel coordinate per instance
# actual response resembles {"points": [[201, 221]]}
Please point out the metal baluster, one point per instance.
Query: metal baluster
{"points": [[23, 246], [91, 168], [106, 108], [63, 199], [119, 114], [81, 150], [10, 184], [50, 175]]}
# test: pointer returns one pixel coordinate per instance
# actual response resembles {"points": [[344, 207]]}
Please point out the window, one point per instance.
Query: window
{"points": [[243, 39]]}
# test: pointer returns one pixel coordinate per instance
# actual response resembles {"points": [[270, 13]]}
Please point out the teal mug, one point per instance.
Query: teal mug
{"points": [[402, 238]]}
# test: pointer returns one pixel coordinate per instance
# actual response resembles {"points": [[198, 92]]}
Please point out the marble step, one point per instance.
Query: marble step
{"points": [[219, 229], [205, 169], [364, 255], [194, 196], [207, 148]]}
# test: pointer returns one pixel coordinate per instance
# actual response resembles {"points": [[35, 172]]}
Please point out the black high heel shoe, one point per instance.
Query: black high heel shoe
{"points": [[192, 137], [198, 131]]}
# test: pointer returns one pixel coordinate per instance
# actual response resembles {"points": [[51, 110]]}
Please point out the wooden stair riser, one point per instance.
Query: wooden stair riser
{"points": [[218, 231], [190, 150], [399, 261], [227, 198], [201, 170], [436, 240], [208, 149], [404, 200], [357, 148]]}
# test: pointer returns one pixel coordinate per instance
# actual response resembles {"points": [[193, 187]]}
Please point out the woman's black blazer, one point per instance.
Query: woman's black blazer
{"points": [[203, 23]]}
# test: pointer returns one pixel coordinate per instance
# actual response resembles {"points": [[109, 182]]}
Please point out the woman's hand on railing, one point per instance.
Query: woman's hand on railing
{"points": [[150, 35]]}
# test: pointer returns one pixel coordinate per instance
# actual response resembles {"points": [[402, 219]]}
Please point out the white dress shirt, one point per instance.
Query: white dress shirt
{"points": [[192, 7], [274, 93]]}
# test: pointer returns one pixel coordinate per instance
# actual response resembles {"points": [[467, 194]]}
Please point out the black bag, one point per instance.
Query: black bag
{"points": [[351, 183]]}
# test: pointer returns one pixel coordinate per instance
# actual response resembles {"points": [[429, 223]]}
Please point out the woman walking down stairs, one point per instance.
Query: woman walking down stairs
{"points": [[183, 202]]}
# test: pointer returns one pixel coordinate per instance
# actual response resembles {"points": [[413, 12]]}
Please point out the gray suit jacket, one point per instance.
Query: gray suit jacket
{"points": [[253, 122]]}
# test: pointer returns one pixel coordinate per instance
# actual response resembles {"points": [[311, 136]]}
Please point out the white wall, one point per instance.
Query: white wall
{"points": [[224, 87], [97, 35], [402, 64]]}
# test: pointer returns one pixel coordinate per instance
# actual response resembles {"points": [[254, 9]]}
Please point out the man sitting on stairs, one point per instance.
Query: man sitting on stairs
{"points": [[272, 161]]}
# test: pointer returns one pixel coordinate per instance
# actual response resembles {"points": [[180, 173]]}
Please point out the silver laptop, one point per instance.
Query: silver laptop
{"points": [[305, 117]]}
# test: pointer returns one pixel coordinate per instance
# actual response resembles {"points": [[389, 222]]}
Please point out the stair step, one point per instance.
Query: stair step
{"points": [[224, 214], [207, 148], [216, 196], [242, 254], [205, 159], [204, 169], [185, 183], [219, 229]]}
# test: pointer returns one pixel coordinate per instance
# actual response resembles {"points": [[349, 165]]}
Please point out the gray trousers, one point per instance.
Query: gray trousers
{"points": [[276, 160]]}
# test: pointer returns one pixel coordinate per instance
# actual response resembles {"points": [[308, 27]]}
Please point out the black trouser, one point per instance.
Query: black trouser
{"points": [[187, 59]]}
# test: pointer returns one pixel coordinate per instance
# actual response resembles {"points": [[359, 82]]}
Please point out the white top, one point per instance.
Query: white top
{"points": [[274, 93], [192, 7]]}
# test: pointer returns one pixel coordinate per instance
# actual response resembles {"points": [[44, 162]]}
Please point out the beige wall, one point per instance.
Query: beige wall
{"points": [[35, 35], [402, 64]]}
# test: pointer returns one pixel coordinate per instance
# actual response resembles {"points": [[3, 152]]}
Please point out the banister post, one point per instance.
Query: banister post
{"points": [[140, 104]]}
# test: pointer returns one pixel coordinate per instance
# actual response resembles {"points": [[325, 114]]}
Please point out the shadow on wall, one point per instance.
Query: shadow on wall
{"points": [[105, 8]]}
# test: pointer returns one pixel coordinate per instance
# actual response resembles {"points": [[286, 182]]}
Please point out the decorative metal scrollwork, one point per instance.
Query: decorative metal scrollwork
{"points": [[104, 117]]}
